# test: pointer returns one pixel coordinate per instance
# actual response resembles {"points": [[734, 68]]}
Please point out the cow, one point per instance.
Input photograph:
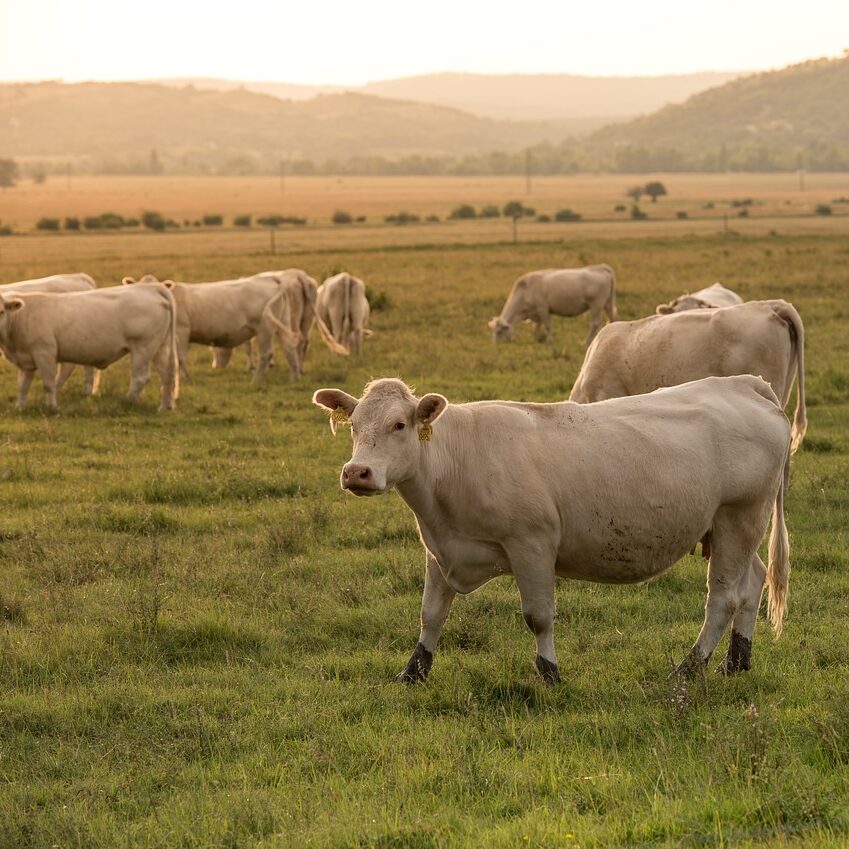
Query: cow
{"points": [[300, 291], [715, 295], [342, 305], [766, 338], [74, 282], [614, 492], [538, 295], [93, 328], [229, 313]]}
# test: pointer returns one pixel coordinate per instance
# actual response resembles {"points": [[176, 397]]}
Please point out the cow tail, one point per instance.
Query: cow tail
{"points": [[173, 374], [289, 338], [778, 570], [326, 335], [346, 317], [610, 305], [800, 417]]}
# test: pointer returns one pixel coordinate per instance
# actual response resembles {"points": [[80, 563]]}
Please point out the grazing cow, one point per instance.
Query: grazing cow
{"points": [[538, 295], [300, 291], [766, 338], [342, 305], [94, 328], [614, 492], [715, 295], [230, 313], [58, 283]]}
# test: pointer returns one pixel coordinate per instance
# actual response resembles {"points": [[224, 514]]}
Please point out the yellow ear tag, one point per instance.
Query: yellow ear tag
{"points": [[426, 432], [340, 416]]}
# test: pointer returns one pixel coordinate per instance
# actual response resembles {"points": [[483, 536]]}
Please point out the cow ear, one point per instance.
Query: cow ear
{"points": [[430, 408], [12, 304], [128, 281], [664, 309], [339, 404], [491, 323], [168, 284]]}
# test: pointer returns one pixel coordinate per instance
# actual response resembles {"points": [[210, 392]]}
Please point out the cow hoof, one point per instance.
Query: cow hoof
{"points": [[739, 657], [692, 666], [418, 666], [547, 670]]}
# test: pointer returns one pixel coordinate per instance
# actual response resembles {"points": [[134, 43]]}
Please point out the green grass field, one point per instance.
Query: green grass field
{"points": [[200, 631]]}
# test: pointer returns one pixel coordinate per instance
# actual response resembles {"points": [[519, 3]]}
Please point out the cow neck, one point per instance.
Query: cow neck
{"points": [[512, 311], [9, 348]]}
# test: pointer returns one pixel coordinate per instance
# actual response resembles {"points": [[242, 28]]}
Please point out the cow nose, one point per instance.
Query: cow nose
{"points": [[355, 475]]}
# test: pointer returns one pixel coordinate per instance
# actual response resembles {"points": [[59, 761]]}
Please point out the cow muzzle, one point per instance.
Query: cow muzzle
{"points": [[359, 479]]}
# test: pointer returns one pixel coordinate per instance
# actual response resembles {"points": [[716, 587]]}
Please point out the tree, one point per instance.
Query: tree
{"points": [[9, 173], [654, 190], [514, 209], [636, 192]]}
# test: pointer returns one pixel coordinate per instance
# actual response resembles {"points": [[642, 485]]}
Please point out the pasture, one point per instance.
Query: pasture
{"points": [[200, 631]]}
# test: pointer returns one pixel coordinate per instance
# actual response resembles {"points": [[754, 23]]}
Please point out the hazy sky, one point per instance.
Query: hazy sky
{"points": [[351, 42]]}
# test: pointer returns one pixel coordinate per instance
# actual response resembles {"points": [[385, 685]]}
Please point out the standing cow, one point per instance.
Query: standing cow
{"points": [[615, 492], [715, 295], [96, 328], [766, 338], [59, 283], [538, 295], [342, 305]]}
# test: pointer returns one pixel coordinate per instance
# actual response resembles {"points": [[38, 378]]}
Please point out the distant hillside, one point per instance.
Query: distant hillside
{"points": [[586, 102], [802, 108], [192, 127]]}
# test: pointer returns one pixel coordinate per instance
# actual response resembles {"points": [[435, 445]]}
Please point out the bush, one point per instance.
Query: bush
{"points": [[543, 219], [131, 222], [742, 202], [378, 301], [111, 221], [92, 222], [709, 205], [743, 213], [637, 214], [490, 211], [530, 212], [5, 230], [464, 211], [620, 207], [513, 209], [72, 223], [242, 221], [401, 218], [277, 220], [681, 214], [47, 224], [155, 221], [432, 218], [567, 215], [360, 219], [822, 209], [342, 217], [212, 220]]}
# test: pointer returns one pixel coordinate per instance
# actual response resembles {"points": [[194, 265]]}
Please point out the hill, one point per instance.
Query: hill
{"points": [[770, 117], [190, 127]]}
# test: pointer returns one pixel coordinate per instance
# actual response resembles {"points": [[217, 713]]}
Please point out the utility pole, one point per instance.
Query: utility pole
{"points": [[527, 170]]}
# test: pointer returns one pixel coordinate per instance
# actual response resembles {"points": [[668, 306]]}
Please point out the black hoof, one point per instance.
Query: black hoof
{"points": [[692, 666], [547, 670], [739, 657], [418, 666]]}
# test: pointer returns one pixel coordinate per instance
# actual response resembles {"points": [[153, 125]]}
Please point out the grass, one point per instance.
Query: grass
{"points": [[199, 632]]}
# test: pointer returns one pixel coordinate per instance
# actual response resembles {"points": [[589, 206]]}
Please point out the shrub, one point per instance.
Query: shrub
{"points": [[378, 301], [432, 218], [131, 222], [637, 213], [155, 221], [464, 211], [543, 219], [822, 209], [342, 217], [681, 214], [513, 209], [743, 213], [401, 218], [709, 205], [270, 221], [620, 207], [360, 219], [567, 215], [5, 229], [490, 211], [242, 221], [111, 221], [742, 202], [171, 224], [212, 220], [72, 223], [47, 224], [530, 212], [92, 222]]}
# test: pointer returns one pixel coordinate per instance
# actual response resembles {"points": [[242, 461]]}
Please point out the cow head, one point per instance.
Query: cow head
{"points": [[8, 305], [388, 425], [682, 304], [147, 278], [501, 330]]}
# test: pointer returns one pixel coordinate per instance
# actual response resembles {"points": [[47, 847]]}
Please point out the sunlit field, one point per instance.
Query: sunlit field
{"points": [[200, 631]]}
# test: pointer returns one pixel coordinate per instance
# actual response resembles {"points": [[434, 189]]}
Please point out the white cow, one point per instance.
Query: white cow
{"points": [[75, 282], [614, 492], [538, 295], [342, 305], [229, 313], [766, 338], [300, 291], [93, 328], [715, 295]]}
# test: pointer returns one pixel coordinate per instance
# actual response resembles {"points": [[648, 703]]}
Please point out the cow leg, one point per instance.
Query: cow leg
{"points": [[24, 383], [65, 371], [536, 589], [47, 373], [139, 374], [545, 321], [436, 602], [739, 657], [166, 368], [183, 351], [91, 382], [734, 540], [595, 324], [221, 357], [249, 353], [265, 351]]}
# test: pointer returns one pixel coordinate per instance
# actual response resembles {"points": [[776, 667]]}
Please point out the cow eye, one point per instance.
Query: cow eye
{"points": [[400, 425]]}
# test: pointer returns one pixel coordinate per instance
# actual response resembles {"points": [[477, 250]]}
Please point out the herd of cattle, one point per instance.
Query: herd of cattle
{"points": [[674, 432]]}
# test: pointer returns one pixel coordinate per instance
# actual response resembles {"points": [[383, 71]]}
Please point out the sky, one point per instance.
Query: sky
{"points": [[355, 41]]}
